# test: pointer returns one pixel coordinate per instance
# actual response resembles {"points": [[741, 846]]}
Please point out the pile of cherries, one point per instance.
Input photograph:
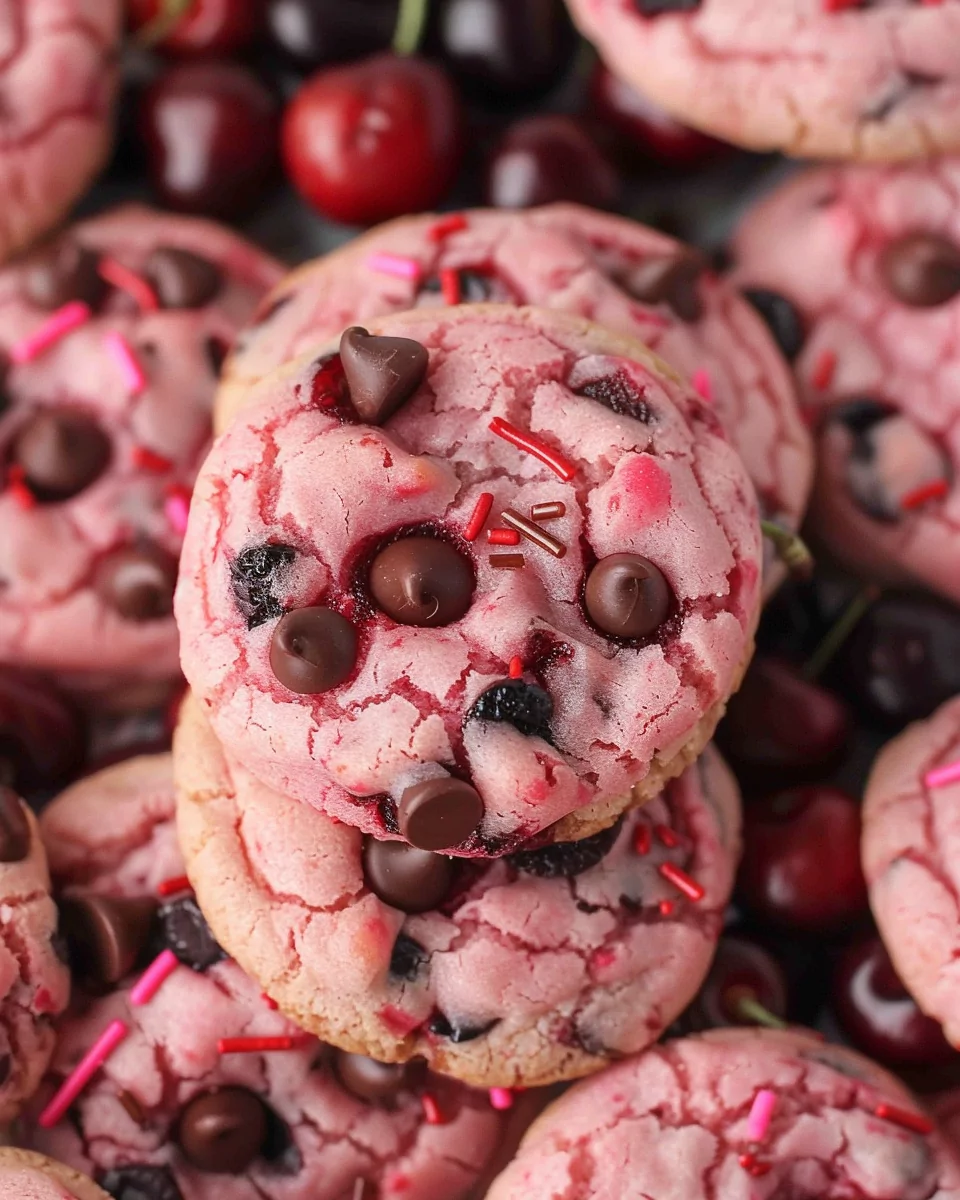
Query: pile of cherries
{"points": [[233, 90]]}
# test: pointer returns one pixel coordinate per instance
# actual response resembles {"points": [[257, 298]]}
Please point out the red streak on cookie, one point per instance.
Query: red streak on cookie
{"points": [[647, 487], [936, 489], [447, 225], [823, 370], [170, 887], [397, 1022], [18, 489], [667, 837], [148, 460], [603, 958]]}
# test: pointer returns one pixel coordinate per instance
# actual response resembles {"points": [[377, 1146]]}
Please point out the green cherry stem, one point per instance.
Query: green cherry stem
{"points": [[169, 15], [790, 547], [411, 22], [838, 633], [744, 1004]]}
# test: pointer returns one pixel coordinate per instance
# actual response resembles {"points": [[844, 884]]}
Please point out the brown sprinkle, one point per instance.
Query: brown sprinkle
{"points": [[133, 1108], [507, 562], [539, 537], [549, 511]]}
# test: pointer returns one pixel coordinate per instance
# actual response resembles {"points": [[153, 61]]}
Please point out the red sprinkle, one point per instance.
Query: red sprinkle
{"points": [[531, 445], [431, 1110], [170, 887], [641, 838], [450, 285], [753, 1166], [130, 282], [666, 908], [823, 370], [445, 226], [503, 537], [515, 669], [667, 837], [479, 518], [148, 460], [18, 489], [257, 1045], [681, 881], [936, 489], [832, 6], [914, 1121]]}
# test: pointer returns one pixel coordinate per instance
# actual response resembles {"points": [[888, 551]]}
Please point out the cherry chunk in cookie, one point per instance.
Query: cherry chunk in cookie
{"points": [[470, 577]]}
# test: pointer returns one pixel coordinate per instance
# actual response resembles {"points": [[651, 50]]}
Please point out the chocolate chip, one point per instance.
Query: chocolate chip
{"points": [[382, 372], [182, 279], [441, 1026], [371, 1080], [184, 930], [60, 453], [567, 858], [106, 935], [407, 958], [618, 393], [673, 281], [137, 583], [255, 578], [222, 1131], [404, 877], [139, 1181], [782, 319], [525, 706], [216, 350], [313, 650], [14, 827], [922, 269], [422, 581], [626, 596], [439, 813], [656, 8], [64, 272]]}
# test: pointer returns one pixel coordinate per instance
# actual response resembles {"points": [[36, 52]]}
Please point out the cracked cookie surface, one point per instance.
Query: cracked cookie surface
{"points": [[848, 80], [96, 464], [672, 1124], [867, 258], [28, 1176], [298, 500], [911, 860]]}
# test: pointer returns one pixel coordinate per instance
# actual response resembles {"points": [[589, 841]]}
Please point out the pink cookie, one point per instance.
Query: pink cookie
{"points": [[517, 971], [352, 646], [104, 420], [946, 1108], [173, 1115], [58, 73], [28, 1176], [625, 276], [864, 263], [911, 858], [735, 1115], [818, 78], [34, 983]]}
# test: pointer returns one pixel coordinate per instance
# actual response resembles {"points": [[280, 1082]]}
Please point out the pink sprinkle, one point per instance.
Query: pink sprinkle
{"points": [[761, 1113], [393, 264], [63, 321], [176, 509], [150, 982], [78, 1079], [501, 1099], [122, 354], [941, 776], [702, 384]]}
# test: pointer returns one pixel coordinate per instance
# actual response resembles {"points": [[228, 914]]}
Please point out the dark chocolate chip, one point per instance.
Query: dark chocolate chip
{"points": [[184, 930], [216, 350], [922, 269], [106, 935], [626, 596], [567, 858], [407, 958], [270, 307], [860, 416], [439, 813], [782, 319], [618, 393], [673, 281], [656, 8], [137, 582], [60, 453], [255, 578], [382, 372], [64, 272], [279, 1149], [313, 650], [41, 736], [371, 1080], [14, 827], [404, 877], [525, 706], [475, 287], [182, 279], [422, 581], [441, 1026], [222, 1131], [139, 1181]]}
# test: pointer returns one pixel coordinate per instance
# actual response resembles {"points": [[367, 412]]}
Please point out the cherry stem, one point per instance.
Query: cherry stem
{"points": [[790, 547], [411, 22], [169, 15], [743, 1004], [838, 633]]}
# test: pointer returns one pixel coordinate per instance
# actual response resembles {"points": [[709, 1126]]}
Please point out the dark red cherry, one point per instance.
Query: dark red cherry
{"points": [[547, 158], [205, 26], [746, 986], [41, 736], [373, 140], [317, 32], [210, 131], [879, 1015], [801, 860]]}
